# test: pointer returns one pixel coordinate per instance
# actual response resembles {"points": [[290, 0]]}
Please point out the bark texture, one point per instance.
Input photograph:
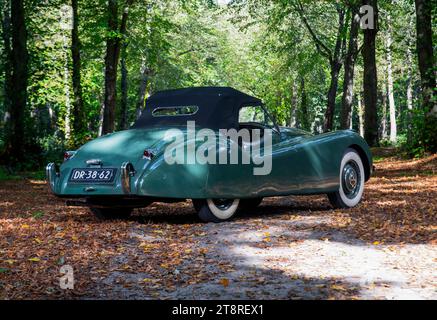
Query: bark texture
{"points": [[349, 68], [78, 112], [370, 80], [17, 95]]}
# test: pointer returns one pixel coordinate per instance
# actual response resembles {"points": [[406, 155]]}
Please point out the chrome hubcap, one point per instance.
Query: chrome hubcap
{"points": [[351, 178]]}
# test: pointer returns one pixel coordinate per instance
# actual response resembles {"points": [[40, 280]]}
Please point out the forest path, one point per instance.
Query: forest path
{"points": [[288, 248]]}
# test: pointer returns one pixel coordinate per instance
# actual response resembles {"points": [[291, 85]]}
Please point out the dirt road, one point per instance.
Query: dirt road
{"points": [[289, 248]]}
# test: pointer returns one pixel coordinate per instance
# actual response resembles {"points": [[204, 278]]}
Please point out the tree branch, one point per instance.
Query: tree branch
{"points": [[321, 47]]}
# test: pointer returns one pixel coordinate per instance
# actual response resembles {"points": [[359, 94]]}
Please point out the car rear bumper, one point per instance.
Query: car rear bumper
{"points": [[58, 184], [52, 176]]}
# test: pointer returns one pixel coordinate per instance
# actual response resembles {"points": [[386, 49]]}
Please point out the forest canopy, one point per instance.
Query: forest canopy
{"points": [[73, 70]]}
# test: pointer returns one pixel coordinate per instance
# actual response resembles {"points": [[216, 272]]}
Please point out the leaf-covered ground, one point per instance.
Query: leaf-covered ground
{"points": [[289, 248]]}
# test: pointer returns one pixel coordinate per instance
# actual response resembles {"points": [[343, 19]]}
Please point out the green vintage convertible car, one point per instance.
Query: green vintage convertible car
{"points": [[131, 169]]}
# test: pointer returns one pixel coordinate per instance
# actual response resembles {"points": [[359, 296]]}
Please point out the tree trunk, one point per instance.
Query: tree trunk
{"points": [[112, 57], [409, 96], [427, 74], [303, 112], [293, 104], [110, 69], [6, 57], [370, 80], [409, 81], [17, 96], [425, 52], [360, 114], [335, 59], [349, 67], [336, 64], [78, 112], [142, 90], [384, 113], [67, 127], [390, 93], [332, 94], [123, 87]]}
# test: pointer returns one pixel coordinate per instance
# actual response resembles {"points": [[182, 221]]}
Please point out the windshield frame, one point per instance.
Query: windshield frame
{"points": [[275, 126]]}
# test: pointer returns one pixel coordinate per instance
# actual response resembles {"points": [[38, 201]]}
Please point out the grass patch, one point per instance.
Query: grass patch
{"points": [[6, 175], [38, 214]]}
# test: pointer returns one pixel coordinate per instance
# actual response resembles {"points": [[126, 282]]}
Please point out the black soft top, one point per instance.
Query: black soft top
{"points": [[217, 107]]}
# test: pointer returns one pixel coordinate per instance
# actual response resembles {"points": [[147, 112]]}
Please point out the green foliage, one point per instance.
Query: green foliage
{"points": [[422, 135], [258, 46], [4, 175], [38, 214], [52, 148]]}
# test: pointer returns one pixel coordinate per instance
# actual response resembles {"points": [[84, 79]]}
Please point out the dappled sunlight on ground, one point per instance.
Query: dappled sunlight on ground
{"points": [[288, 248]]}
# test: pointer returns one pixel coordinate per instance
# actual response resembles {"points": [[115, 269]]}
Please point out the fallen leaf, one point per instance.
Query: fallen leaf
{"points": [[224, 282], [35, 259]]}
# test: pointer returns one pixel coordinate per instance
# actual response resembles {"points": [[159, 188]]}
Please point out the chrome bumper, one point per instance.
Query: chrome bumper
{"points": [[52, 175], [127, 171]]}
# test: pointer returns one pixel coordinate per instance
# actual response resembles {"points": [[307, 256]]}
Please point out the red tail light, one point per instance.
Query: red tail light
{"points": [[148, 154], [68, 155]]}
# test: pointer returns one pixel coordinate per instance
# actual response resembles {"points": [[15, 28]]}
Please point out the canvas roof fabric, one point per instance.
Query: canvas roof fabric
{"points": [[217, 107]]}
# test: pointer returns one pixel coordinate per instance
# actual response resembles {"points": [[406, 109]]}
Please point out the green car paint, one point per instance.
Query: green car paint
{"points": [[302, 163]]}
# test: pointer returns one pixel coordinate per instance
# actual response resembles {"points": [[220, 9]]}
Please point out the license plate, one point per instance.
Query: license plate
{"points": [[101, 175]]}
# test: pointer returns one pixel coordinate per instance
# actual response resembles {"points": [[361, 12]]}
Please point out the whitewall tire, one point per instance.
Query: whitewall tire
{"points": [[216, 210], [352, 178]]}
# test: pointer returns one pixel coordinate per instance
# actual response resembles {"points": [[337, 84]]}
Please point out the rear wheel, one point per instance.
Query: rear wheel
{"points": [[216, 210], [111, 213], [352, 180]]}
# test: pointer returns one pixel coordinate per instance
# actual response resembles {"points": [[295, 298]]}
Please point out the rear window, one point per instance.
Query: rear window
{"points": [[174, 111]]}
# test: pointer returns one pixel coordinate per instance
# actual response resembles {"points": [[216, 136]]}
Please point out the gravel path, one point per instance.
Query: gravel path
{"points": [[290, 257], [288, 248]]}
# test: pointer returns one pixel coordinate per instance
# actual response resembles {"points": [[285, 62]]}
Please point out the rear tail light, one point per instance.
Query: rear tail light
{"points": [[68, 155], [148, 154]]}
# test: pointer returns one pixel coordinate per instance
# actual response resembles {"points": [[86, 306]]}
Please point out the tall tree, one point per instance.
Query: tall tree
{"points": [[65, 49], [349, 67], [124, 89], [409, 95], [78, 112], [370, 80], [145, 75], [19, 76], [426, 67], [360, 114], [113, 43], [384, 111], [335, 58], [303, 119], [390, 93], [7, 51], [293, 104]]}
